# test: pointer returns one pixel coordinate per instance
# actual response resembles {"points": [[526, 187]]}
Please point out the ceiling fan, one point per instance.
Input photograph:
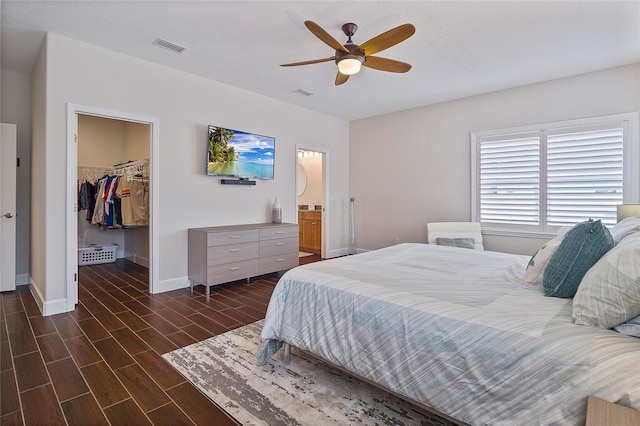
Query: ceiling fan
{"points": [[350, 57]]}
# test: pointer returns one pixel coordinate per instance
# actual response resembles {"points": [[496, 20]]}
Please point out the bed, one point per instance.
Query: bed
{"points": [[455, 330]]}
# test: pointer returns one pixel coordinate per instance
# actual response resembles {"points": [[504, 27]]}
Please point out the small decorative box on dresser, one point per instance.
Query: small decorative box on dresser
{"points": [[220, 254]]}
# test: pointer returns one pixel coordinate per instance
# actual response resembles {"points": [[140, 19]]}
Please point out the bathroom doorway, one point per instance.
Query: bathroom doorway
{"points": [[311, 200]]}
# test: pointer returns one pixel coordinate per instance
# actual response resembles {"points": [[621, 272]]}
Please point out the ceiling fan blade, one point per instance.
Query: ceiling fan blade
{"points": [[388, 39], [384, 64], [324, 36], [313, 61], [341, 78]]}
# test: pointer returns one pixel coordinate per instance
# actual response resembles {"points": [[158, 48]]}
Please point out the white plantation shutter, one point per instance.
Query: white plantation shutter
{"points": [[510, 179], [584, 175], [538, 178]]}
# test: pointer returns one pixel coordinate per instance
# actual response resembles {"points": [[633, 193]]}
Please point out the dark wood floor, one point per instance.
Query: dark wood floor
{"points": [[101, 363]]}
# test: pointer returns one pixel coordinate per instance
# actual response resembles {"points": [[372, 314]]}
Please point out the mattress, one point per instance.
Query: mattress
{"points": [[453, 329]]}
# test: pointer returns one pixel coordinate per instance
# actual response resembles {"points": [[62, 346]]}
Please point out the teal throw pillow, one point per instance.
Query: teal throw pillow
{"points": [[580, 249]]}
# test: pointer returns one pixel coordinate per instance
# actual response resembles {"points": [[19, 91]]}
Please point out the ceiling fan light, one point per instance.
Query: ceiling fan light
{"points": [[350, 66]]}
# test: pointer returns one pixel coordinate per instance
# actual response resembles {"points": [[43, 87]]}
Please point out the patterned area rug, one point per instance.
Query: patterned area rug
{"points": [[304, 392]]}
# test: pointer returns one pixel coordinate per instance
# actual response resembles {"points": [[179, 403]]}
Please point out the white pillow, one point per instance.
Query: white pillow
{"points": [[538, 262], [625, 227], [609, 293]]}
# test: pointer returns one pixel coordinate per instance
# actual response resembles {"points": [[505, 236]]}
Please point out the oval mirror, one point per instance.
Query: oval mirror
{"points": [[302, 179]]}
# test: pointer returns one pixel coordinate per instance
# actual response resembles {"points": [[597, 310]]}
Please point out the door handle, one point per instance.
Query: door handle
{"points": [[8, 215]]}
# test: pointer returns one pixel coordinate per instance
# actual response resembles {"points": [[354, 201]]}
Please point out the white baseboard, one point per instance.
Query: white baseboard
{"points": [[172, 284], [54, 307], [51, 307], [37, 296]]}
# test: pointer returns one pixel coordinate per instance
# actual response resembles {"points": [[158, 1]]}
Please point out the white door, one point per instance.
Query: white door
{"points": [[8, 166]]}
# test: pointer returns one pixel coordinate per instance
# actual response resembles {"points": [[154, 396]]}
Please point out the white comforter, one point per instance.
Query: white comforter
{"points": [[456, 330]]}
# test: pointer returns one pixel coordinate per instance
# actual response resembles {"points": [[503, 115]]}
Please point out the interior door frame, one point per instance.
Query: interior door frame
{"points": [[325, 194], [73, 110]]}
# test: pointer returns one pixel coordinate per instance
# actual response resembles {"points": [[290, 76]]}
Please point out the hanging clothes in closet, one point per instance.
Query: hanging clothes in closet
{"points": [[133, 193], [105, 212], [88, 184], [120, 199]]}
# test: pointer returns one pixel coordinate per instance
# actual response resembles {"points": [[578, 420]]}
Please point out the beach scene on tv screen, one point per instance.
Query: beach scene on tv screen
{"points": [[236, 153]]}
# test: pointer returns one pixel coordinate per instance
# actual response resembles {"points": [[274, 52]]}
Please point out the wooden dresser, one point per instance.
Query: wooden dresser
{"points": [[221, 254], [310, 231]]}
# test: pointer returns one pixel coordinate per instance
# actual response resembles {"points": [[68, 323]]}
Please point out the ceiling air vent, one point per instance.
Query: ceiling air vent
{"points": [[168, 45], [304, 92]]}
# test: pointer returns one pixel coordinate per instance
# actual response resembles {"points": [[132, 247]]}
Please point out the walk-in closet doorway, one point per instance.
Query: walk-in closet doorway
{"points": [[101, 143]]}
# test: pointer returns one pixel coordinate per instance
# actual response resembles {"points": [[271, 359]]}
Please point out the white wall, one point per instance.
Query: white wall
{"points": [[15, 108], [184, 104], [39, 188], [413, 167], [102, 141], [137, 139]]}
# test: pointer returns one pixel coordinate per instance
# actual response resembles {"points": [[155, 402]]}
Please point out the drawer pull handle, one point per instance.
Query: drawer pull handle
{"points": [[234, 250], [280, 260], [279, 232], [233, 237], [279, 244], [235, 268]]}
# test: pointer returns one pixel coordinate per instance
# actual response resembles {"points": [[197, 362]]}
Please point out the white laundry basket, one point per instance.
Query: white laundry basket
{"points": [[97, 253]]}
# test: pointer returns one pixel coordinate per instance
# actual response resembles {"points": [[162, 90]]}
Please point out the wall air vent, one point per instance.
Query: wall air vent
{"points": [[169, 45], [304, 92]]}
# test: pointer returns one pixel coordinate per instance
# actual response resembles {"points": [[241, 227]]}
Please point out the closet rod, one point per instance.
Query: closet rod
{"points": [[137, 166], [94, 172], [131, 163]]}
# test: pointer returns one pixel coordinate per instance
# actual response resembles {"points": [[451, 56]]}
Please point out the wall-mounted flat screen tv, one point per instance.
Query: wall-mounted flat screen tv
{"points": [[240, 154]]}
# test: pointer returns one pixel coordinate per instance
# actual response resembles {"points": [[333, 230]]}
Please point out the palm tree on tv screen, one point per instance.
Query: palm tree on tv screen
{"points": [[219, 149]]}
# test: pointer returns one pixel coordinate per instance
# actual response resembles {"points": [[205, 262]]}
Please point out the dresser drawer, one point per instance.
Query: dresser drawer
{"points": [[278, 263], [232, 271], [274, 232], [219, 255], [279, 246], [232, 237]]}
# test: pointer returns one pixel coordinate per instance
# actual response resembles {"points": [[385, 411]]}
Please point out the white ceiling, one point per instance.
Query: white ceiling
{"points": [[459, 49]]}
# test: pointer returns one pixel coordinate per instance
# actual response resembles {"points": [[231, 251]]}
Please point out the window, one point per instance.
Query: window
{"points": [[539, 178]]}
